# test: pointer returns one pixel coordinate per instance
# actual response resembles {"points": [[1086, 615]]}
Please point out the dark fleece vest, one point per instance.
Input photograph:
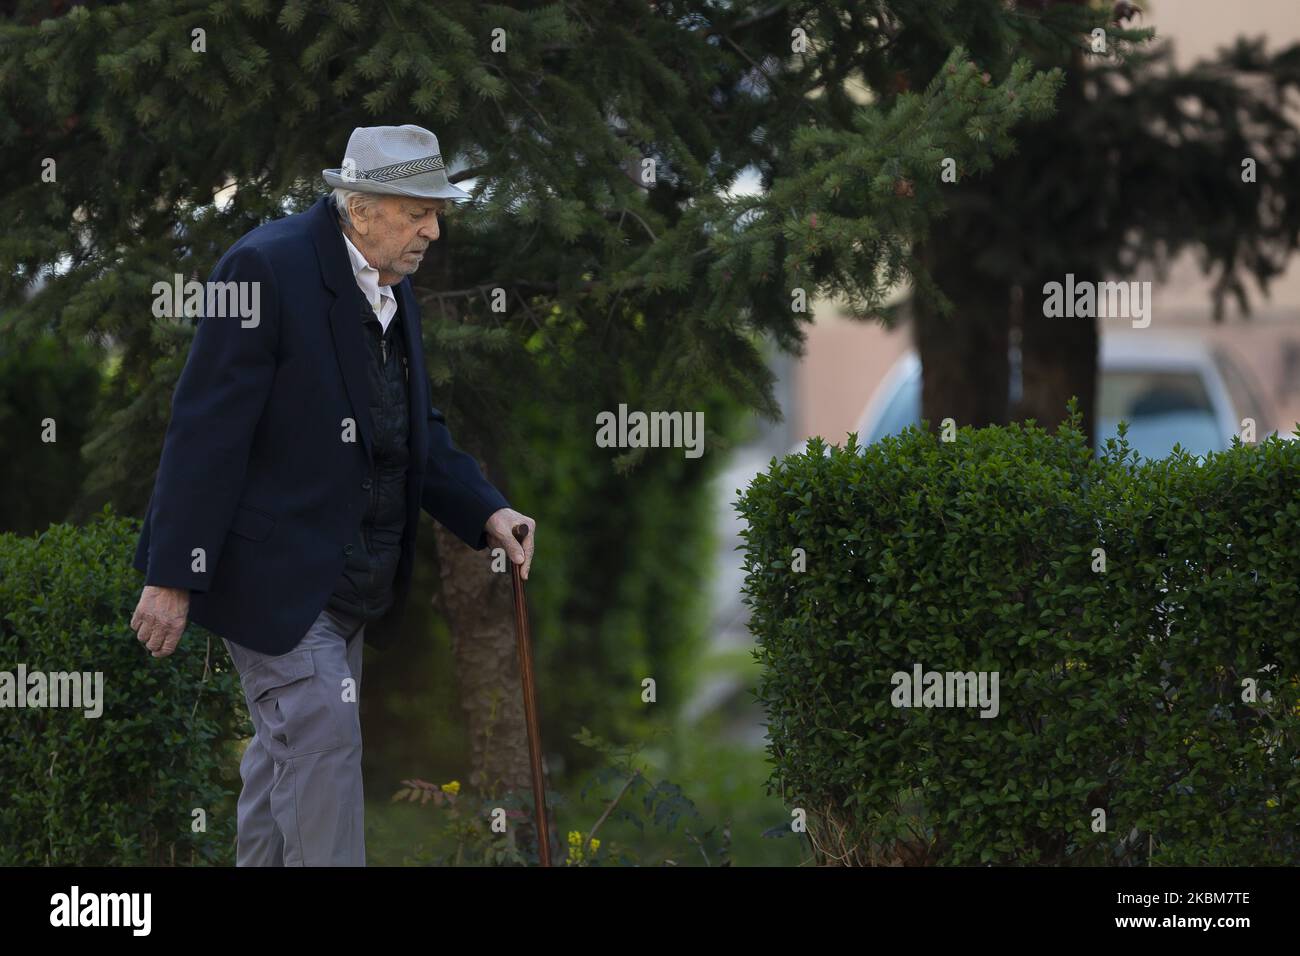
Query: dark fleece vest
{"points": [[365, 587]]}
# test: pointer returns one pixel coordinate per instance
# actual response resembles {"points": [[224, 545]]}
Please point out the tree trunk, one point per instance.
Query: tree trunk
{"points": [[965, 370], [1059, 355], [478, 606], [1059, 360]]}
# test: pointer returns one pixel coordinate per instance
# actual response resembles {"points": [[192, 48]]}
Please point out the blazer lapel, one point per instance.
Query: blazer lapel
{"points": [[344, 315]]}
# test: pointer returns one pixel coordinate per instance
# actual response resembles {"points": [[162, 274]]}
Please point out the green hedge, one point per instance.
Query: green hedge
{"points": [[118, 789], [1120, 690]]}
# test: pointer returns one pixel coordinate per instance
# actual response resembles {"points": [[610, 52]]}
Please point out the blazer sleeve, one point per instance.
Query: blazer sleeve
{"points": [[455, 492], [216, 406]]}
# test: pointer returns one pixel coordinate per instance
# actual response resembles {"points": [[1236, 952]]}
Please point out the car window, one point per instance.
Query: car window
{"points": [[902, 409], [1144, 392], [1162, 408], [1246, 399]]}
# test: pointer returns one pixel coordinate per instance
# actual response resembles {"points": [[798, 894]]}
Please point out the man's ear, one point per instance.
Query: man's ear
{"points": [[360, 219]]}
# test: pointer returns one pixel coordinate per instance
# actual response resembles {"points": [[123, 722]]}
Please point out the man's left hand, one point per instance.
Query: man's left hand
{"points": [[500, 531]]}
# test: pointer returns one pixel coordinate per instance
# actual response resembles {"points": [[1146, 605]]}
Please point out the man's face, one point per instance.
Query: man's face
{"points": [[395, 232]]}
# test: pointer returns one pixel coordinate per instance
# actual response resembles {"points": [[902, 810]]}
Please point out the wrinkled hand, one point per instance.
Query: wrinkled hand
{"points": [[500, 531], [159, 618]]}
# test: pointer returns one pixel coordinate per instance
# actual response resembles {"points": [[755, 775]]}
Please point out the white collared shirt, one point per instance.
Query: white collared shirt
{"points": [[381, 298]]}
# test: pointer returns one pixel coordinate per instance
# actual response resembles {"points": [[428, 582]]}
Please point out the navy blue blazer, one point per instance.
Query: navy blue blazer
{"points": [[257, 467]]}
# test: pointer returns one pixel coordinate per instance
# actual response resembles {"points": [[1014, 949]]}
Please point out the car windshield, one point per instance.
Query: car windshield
{"points": [[1162, 408]]}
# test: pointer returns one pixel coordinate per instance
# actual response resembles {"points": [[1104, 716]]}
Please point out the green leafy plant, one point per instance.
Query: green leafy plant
{"points": [[464, 834], [123, 788], [1127, 733]]}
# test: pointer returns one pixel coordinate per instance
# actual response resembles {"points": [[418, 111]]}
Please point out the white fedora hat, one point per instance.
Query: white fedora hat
{"points": [[395, 161]]}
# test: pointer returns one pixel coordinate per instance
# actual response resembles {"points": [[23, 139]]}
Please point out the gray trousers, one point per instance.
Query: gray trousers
{"points": [[301, 802]]}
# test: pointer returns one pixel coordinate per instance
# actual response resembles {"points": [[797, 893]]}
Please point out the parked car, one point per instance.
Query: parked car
{"points": [[1169, 391]]}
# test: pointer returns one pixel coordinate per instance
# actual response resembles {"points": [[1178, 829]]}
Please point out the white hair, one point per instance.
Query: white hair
{"points": [[345, 199]]}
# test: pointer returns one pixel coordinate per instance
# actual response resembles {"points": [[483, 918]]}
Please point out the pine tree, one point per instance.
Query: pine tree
{"points": [[146, 117], [1139, 163]]}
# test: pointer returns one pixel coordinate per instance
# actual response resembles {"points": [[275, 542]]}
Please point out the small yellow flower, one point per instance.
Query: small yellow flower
{"points": [[1271, 803], [576, 854], [452, 788]]}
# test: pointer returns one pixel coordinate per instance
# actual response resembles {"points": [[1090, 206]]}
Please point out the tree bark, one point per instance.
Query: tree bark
{"points": [[1059, 355], [478, 606], [477, 603], [965, 370], [1059, 361]]}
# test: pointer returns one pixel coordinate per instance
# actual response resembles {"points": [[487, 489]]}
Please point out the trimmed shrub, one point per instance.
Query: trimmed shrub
{"points": [[120, 788], [1146, 692]]}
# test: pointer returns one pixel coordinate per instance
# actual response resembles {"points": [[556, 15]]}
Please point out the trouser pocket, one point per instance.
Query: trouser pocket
{"points": [[299, 713]]}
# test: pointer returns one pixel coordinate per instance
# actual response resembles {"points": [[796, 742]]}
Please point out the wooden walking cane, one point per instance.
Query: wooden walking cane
{"points": [[530, 705]]}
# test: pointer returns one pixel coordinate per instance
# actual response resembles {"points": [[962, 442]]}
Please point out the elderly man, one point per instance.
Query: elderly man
{"points": [[301, 448]]}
